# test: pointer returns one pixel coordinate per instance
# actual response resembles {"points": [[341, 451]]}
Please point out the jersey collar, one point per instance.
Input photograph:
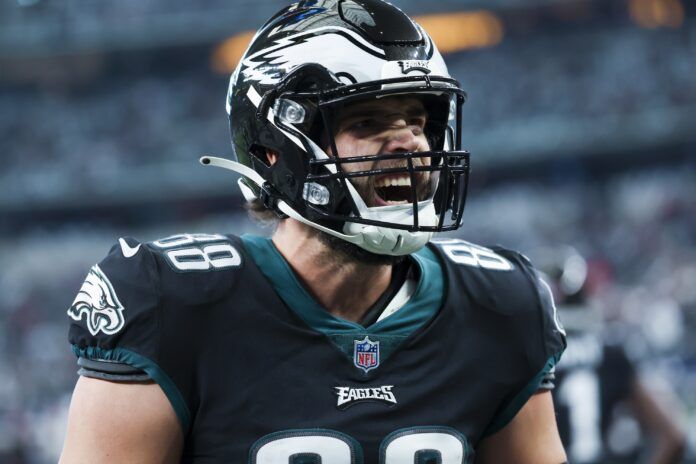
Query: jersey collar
{"points": [[421, 307]]}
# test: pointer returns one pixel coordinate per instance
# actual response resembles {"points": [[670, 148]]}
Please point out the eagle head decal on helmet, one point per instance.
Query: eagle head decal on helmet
{"points": [[303, 67]]}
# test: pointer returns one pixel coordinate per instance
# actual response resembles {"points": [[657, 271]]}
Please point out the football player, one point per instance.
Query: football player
{"points": [[349, 336]]}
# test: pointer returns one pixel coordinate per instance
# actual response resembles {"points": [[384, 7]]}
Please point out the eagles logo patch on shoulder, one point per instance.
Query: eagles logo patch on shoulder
{"points": [[97, 301]]}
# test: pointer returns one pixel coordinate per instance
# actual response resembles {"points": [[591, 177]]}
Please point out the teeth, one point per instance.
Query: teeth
{"points": [[393, 181]]}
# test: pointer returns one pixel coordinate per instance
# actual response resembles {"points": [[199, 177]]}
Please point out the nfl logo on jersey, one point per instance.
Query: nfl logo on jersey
{"points": [[366, 354]]}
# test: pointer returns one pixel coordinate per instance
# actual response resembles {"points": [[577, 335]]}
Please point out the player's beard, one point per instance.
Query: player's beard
{"points": [[346, 252]]}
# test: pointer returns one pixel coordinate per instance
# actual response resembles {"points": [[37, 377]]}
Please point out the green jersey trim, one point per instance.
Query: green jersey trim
{"points": [[151, 368], [511, 410], [423, 304]]}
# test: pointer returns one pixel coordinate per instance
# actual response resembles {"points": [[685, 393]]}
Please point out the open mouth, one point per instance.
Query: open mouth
{"points": [[393, 190]]}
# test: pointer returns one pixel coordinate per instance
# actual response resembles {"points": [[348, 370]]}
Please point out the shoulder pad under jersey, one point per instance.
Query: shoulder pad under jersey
{"points": [[501, 286], [136, 306], [503, 301], [196, 269]]}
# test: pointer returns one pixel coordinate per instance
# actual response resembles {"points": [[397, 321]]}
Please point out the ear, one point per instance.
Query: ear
{"points": [[272, 156]]}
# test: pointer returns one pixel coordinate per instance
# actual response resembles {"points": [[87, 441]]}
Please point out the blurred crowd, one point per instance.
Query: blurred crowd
{"points": [[98, 137], [99, 133]]}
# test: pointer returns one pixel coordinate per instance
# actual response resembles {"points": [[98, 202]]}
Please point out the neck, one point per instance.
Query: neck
{"points": [[344, 287]]}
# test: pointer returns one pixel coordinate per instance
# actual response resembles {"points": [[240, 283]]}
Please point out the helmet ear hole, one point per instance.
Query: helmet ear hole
{"points": [[259, 156], [271, 156]]}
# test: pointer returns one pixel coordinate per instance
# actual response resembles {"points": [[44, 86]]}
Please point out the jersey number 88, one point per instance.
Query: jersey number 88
{"points": [[421, 445]]}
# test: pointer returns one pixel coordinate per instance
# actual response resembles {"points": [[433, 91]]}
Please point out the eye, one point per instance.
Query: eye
{"points": [[363, 124], [417, 125], [418, 121]]}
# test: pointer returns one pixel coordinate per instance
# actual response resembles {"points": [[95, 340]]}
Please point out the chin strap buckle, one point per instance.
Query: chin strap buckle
{"points": [[270, 200]]}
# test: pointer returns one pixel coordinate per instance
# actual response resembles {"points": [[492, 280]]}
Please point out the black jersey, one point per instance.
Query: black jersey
{"points": [[258, 372], [593, 382]]}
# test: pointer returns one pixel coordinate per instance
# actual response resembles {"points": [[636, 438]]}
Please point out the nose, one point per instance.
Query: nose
{"points": [[400, 138]]}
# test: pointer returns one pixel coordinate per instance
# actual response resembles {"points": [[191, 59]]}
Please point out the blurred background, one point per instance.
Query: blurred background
{"points": [[581, 121]]}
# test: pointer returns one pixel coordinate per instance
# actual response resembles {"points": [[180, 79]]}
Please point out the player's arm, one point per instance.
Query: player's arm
{"points": [[121, 422], [531, 437]]}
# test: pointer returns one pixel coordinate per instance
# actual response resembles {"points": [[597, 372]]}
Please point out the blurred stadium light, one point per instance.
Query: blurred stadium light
{"points": [[459, 31], [225, 56], [657, 13]]}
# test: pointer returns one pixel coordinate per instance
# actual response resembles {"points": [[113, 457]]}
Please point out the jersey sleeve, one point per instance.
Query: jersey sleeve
{"points": [[116, 319], [544, 344], [554, 335]]}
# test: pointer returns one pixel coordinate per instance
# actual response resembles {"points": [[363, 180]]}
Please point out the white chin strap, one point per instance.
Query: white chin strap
{"points": [[375, 239]]}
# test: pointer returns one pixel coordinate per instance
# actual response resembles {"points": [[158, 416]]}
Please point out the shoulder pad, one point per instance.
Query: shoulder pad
{"points": [[135, 279], [498, 293], [183, 269], [125, 278], [115, 315], [474, 256], [135, 305], [196, 269], [503, 282], [491, 278]]}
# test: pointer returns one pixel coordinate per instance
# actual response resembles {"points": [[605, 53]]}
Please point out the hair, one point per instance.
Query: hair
{"points": [[260, 214]]}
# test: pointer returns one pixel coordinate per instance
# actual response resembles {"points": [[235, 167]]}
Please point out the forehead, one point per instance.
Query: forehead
{"points": [[394, 104]]}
